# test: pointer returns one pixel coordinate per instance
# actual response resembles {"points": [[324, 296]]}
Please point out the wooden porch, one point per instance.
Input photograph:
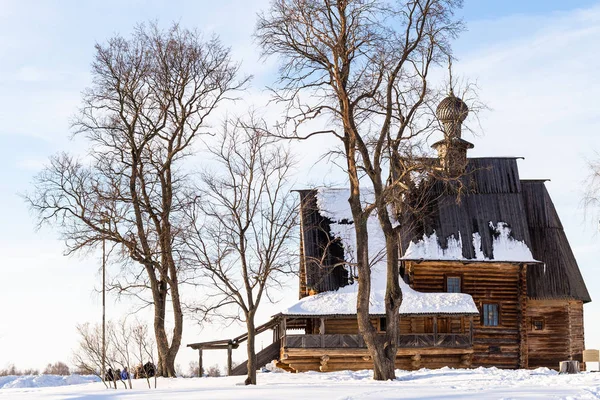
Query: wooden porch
{"points": [[421, 340], [449, 343]]}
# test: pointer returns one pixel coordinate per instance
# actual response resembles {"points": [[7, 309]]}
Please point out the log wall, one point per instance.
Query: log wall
{"points": [[494, 283], [301, 360], [561, 338]]}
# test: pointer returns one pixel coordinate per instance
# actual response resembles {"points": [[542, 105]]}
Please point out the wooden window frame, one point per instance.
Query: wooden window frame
{"points": [[459, 276], [381, 324], [483, 304], [538, 319]]}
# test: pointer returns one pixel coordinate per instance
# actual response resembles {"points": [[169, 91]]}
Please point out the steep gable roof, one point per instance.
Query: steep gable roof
{"points": [[496, 206], [561, 277]]}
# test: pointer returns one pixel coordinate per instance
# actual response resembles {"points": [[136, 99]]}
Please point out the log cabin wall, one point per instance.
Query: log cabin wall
{"points": [[577, 332], [555, 332], [503, 284]]}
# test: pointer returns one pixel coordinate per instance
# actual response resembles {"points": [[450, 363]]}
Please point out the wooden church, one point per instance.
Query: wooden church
{"points": [[492, 278], [489, 280]]}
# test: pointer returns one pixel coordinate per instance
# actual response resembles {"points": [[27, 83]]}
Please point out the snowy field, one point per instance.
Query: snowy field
{"points": [[445, 383]]}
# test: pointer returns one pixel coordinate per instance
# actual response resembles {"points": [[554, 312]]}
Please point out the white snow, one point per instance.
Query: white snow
{"points": [[31, 381], [504, 247], [429, 248], [343, 302], [333, 204], [444, 383]]}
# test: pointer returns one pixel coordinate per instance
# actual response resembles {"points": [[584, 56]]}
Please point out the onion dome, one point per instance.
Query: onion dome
{"points": [[452, 109]]}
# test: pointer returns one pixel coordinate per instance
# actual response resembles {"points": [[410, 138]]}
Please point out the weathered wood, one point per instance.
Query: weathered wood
{"points": [[522, 319], [562, 335], [487, 283], [295, 352], [355, 359], [200, 363], [420, 340], [229, 363]]}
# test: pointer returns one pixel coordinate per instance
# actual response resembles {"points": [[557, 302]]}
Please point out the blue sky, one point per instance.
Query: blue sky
{"points": [[535, 62]]}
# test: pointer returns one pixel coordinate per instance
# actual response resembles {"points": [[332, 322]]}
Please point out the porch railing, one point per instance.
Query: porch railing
{"points": [[421, 340]]}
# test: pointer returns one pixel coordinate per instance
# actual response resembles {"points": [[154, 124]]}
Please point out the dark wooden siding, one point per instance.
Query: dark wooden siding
{"points": [[320, 254], [491, 194], [561, 278]]}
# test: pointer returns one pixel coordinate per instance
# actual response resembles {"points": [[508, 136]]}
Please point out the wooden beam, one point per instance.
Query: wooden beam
{"points": [[229, 366], [199, 363], [322, 331]]}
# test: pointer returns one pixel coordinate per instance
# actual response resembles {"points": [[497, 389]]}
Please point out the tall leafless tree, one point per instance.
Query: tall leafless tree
{"points": [[150, 98], [365, 64], [243, 225], [88, 355], [591, 194]]}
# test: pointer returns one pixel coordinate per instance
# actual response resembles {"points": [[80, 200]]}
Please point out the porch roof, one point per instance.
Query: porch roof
{"points": [[343, 303]]}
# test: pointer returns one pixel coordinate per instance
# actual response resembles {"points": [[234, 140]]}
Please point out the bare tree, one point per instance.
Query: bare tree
{"points": [[591, 194], [242, 226], [88, 356], [150, 98], [121, 339], [144, 351], [58, 368], [364, 64]]}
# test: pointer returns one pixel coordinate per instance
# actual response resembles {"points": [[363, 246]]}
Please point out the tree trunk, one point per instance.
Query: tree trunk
{"points": [[178, 322], [166, 365], [251, 347], [386, 366]]}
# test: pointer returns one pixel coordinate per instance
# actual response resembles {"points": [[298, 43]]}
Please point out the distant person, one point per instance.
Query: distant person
{"points": [[110, 376], [124, 374], [149, 369]]}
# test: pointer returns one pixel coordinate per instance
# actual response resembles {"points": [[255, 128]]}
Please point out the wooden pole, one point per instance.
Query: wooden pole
{"points": [[434, 331], [229, 369], [200, 363], [103, 306], [283, 330], [471, 330], [322, 331]]}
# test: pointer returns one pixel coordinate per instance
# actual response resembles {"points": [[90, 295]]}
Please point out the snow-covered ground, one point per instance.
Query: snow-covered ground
{"points": [[445, 383]]}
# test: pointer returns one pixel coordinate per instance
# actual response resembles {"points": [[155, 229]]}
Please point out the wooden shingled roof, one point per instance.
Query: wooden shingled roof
{"points": [[561, 277], [494, 194]]}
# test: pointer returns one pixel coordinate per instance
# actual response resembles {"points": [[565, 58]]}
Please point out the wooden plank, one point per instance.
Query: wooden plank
{"points": [[495, 283], [200, 363], [229, 364]]}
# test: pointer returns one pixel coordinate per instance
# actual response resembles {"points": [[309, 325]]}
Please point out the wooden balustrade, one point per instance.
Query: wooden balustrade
{"points": [[419, 340]]}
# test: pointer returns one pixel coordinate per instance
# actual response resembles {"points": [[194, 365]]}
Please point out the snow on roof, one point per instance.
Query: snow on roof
{"points": [[505, 247], [343, 302], [333, 204]]}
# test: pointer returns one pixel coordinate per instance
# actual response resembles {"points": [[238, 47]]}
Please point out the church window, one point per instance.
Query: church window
{"points": [[453, 284], [490, 315]]}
